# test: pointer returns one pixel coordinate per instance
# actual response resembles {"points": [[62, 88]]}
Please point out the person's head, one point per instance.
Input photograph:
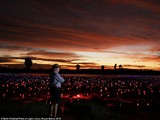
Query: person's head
{"points": [[55, 67]]}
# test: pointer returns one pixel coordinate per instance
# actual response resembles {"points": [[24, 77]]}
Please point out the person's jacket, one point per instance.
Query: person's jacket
{"points": [[56, 79]]}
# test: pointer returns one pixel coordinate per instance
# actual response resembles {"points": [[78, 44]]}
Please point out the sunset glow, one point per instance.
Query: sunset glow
{"points": [[86, 32]]}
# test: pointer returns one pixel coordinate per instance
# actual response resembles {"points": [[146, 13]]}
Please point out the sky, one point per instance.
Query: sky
{"points": [[90, 33]]}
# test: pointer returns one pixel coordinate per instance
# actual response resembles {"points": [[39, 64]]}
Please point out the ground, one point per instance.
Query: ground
{"points": [[79, 111]]}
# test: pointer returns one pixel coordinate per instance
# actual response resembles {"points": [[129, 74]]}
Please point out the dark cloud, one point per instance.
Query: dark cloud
{"points": [[11, 59], [52, 54], [22, 66], [86, 63], [35, 27], [76, 24], [31, 52], [5, 59], [11, 47], [133, 66], [145, 4]]}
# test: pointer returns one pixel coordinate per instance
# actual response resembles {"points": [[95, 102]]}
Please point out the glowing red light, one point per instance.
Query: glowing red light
{"points": [[22, 95], [78, 96], [101, 90], [144, 92]]}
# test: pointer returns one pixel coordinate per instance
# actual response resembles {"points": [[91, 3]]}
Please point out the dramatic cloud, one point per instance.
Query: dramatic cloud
{"points": [[51, 54], [11, 59], [152, 59], [58, 30], [147, 4], [134, 66], [3, 60]]}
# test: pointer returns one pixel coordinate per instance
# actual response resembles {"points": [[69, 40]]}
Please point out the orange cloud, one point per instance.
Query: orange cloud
{"points": [[37, 28], [133, 66]]}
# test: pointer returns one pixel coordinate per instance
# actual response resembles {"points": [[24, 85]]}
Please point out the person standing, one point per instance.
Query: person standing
{"points": [[55, 89]]}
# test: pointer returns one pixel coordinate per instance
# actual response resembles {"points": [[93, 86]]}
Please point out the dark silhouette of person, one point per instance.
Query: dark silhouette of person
{"points": [[55, 89]]}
